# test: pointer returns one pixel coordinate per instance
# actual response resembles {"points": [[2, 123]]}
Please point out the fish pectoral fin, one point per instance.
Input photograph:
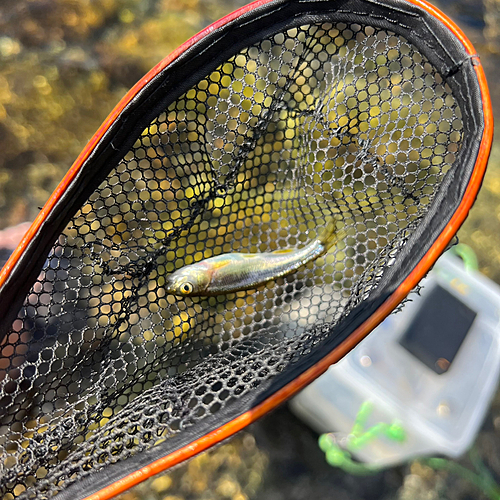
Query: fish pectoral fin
{"points": [[285, 250], [249, 255]]}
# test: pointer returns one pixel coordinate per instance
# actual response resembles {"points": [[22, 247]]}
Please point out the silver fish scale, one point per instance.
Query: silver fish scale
{"points": [[318, 121], [242, 271]]}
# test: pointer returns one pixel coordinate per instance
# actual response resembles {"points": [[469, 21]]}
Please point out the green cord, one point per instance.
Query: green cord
{"points": [[372, 433], [484, 483], [358, 438], [361, 418], [337, 457], [468, 255], [479, 465]]}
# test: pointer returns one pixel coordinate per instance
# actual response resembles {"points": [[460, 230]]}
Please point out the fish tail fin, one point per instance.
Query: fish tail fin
{"points": [[330, 234]]}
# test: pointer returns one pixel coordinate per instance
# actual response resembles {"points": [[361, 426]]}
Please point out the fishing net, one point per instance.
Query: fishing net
{"points": [[250, 140]]}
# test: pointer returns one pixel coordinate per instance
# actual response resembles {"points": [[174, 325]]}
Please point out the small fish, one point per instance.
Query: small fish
{"points": [[232, 272]]}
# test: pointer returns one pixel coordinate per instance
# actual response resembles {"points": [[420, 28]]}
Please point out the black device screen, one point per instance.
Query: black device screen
{"points": [[438, 330]]}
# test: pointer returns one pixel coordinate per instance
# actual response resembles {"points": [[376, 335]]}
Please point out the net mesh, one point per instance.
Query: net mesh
{"points": [[319, 121]]}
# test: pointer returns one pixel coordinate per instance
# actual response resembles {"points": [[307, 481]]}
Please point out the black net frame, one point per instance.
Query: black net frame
{"points": [[80, 448]]}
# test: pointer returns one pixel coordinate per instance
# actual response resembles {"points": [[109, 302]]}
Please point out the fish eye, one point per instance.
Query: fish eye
{"points": [[186, 287]]}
